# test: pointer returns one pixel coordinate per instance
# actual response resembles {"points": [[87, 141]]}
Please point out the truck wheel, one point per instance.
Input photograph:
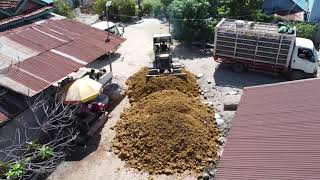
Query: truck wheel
{"points": [[238, 68], [296, 75]]}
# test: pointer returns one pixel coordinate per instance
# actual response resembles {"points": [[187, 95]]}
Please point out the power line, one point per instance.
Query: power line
{"points": [[207, 19]]}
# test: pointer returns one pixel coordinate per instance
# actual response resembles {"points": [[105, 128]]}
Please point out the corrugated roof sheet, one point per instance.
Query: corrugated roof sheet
{"points": [[49, 51], [25, 17], [275, 134], [7, 4]]}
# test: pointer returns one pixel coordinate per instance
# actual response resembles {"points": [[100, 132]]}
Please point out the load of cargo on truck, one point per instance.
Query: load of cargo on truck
{"points": [[258, 46], [168, 130]]}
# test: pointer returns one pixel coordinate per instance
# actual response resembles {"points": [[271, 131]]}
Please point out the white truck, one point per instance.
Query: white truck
{"points": [[109, 27], [257, 46]]}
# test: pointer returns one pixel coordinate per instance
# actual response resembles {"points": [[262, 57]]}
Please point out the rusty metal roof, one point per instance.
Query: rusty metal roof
{"points": [[7, 4], [35, 56], [275, 134]]}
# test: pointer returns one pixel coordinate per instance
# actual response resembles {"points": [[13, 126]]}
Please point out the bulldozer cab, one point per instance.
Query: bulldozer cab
{"points": [[162, 44], [163, 63]]}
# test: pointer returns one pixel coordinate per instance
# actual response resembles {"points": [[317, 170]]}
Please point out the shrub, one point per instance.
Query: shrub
{"points": [[305, 30], [63, 9]]}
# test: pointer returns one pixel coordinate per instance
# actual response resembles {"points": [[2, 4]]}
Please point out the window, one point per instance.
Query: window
{"points": [[306, 54]]}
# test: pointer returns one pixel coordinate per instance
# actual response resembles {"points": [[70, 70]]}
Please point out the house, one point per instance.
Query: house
{"points": [[284, 7], [310, 8], [313, 14], [39, 50], [10, 8], [17, 12], [275, 134]]}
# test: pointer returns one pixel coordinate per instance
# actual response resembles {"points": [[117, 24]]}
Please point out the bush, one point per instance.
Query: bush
{"points": [[190, 20], [63, 9], [122, 9], [305, 30], [99, 6]]}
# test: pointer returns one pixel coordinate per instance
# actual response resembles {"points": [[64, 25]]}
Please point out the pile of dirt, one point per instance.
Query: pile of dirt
{"points": [[167, 132], [139, 86]]}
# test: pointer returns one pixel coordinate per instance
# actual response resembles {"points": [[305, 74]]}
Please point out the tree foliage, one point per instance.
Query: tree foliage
{"points": [[189, 19], [197, 18], [154, 7], [122, 9], [305, 30], [147, 7]]}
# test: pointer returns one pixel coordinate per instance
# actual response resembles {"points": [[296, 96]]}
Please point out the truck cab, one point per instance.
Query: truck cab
{"points": [[110, 27], [305, 59]]}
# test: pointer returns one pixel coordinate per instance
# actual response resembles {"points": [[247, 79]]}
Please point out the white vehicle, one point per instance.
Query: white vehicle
{"points": [[259, 46], [109, 27]]}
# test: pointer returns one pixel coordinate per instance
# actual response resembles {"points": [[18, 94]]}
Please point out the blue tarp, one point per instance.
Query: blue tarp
{"points": [[285, 6]]}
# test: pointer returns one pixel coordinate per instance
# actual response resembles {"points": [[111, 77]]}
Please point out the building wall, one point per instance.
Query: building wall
{"points": [[284, 7]]}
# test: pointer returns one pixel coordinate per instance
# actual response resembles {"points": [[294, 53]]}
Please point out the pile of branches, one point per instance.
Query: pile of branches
{"points": [[37, 154]]}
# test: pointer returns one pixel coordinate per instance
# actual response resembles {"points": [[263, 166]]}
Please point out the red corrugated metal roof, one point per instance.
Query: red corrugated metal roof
{"points": [[25, 15], [275, 134], [63, 46], [7, 4]]}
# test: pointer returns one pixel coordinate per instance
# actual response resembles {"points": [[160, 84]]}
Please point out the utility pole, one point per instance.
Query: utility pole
{"points": [[108, 4]]}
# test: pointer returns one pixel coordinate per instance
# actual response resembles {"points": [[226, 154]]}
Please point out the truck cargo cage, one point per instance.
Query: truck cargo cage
{"points": [[253, 41]]}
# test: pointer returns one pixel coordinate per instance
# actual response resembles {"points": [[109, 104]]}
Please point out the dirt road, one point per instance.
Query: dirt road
{"points": [[217, 85]]}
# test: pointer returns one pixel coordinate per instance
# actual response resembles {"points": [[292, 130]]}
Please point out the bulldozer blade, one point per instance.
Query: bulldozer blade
{"points": [[166, 74]]}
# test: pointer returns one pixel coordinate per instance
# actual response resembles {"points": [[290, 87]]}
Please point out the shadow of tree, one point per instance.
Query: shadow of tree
{"points": [[189, 52]]}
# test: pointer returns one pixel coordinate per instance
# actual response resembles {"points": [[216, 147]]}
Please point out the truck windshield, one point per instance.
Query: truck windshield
{"points": [[113, 30]]}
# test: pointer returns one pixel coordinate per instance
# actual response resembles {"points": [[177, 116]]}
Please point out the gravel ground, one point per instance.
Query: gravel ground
{"points": [[218, 85]]}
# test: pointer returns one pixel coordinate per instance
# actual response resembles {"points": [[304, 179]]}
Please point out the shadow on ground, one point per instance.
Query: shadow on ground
{"points": [[104, 61], [223, 76], [190, 52]]}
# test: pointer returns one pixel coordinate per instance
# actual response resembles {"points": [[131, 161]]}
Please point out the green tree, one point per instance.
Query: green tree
{"points": [[147, 7], [157, 8], [190, 19], [123, 9]]}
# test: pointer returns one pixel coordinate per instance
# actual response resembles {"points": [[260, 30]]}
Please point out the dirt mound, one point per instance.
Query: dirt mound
{"points": [[167, 132], [138, 87]]}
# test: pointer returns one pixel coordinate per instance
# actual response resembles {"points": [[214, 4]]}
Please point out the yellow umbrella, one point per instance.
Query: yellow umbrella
{"points": [[83, 90]]}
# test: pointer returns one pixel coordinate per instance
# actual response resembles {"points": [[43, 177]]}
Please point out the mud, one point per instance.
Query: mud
{"points": [[167, 132], [139, 86]]}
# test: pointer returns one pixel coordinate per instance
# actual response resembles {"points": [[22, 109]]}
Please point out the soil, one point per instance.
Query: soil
{"points": [[139, 86], [167, 132]]}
